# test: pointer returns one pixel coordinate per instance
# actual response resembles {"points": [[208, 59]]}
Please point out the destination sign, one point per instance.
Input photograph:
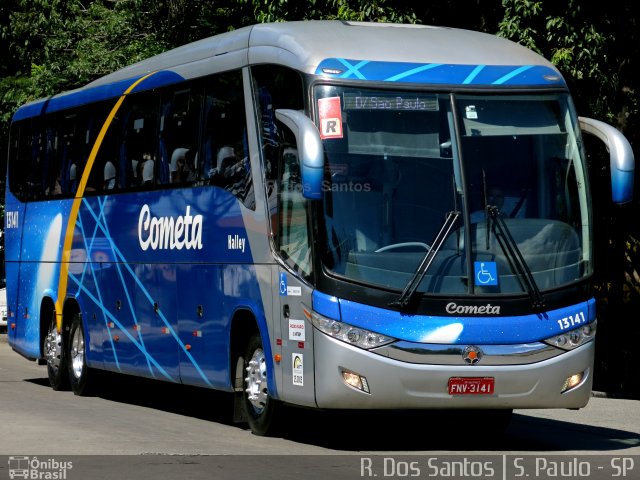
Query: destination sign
{"points": [[392, 102]]}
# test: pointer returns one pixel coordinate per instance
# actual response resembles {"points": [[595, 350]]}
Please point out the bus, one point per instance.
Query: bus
{"points": [[323, 214]]}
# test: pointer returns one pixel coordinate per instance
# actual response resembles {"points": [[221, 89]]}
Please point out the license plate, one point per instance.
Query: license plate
{"points": [[471, 385]]}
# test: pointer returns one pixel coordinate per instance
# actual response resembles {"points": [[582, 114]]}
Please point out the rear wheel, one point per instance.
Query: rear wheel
{"points": [[56, 356], [80, 375], [260, 408]]}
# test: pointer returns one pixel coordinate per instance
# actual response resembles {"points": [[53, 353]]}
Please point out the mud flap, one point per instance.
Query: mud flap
{"points": [[239, 412]]}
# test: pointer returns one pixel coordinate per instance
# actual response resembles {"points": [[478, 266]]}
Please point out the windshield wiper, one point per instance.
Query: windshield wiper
{"points": [[514, 255], [406, 295]]}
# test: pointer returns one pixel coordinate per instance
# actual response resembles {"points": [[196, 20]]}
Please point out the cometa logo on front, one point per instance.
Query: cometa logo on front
{"points": [[487, 309], [169, 233]]}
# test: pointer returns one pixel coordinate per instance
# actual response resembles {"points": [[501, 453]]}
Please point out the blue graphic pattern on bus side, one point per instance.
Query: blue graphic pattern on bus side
{"points": [[95, 94], [163, 313], [441, 74], [117, 257], [120, 271], [38, 273], [460, 330]]}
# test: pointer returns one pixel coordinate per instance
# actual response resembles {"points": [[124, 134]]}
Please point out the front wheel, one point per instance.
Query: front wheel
{"points": [[80, 375], [260, 408], [56, 356]]}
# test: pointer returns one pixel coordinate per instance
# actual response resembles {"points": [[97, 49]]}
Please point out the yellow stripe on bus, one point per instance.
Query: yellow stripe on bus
{"points": [[77, 201]]}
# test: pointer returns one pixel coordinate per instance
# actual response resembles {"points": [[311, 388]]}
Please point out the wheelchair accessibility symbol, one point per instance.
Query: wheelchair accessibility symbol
{"points": [[486, 273], [283, 284]]}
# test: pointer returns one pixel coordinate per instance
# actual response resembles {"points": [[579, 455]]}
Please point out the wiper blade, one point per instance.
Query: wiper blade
{"points": [[510, 248], [406, 295]]}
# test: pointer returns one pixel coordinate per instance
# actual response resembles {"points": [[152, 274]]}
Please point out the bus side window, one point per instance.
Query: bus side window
{"points": [[224, 147], [19, 159], [130, 140], [180, 114], [68, 153], [51, 180], [88, 126], [35, 161], [144, 136]]}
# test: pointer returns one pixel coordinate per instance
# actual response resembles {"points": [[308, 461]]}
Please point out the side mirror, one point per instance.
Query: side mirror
{"points": [[310, 151], [620, 154]]}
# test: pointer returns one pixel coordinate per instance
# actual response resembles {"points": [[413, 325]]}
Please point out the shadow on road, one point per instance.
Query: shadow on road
{"points": [[353, 431], [449, 430]]}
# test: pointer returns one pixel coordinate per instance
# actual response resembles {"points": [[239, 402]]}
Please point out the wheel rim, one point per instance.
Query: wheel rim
{"points": [[53, 347], [77, 353], [256, 381]]}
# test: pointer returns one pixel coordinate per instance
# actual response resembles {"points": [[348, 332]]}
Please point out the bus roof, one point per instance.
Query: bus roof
{"points": [[334, 49]]}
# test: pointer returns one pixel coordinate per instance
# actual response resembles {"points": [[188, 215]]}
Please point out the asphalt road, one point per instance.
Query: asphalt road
{"points": [[140, 429]]}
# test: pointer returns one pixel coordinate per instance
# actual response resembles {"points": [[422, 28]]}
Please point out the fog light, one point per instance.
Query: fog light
{"points": [[355, 381], [572, 382]]}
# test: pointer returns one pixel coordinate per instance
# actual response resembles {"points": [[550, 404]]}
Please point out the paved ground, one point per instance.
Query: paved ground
{"points": [[157, 424]]}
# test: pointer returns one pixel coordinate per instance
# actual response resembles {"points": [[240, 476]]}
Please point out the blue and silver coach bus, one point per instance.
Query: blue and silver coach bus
{"points": [[324, 214]]}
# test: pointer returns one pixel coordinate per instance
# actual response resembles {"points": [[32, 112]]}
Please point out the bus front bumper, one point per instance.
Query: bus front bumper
{"points": [[394, 384]]}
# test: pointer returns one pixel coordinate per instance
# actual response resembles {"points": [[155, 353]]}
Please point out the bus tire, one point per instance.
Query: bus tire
{"points": [[56, 355], [260, 408], [80, 375]]}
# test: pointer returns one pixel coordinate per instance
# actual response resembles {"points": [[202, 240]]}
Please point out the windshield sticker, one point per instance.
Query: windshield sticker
{"points": [[298, 370], [486, 273], [470, 112], [330, 117]]}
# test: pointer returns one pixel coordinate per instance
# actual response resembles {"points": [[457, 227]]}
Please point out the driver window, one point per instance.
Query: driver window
{"points": [[293, 235]]}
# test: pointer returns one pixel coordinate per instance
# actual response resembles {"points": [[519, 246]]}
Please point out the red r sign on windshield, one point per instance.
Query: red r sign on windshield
{"points": [[330, 117]]}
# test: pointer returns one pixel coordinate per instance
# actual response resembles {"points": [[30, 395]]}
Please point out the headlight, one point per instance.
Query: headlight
{"points": [[574, 338], [356, 336]]}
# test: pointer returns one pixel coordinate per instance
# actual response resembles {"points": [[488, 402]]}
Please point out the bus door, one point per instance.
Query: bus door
{"points": [[293, 291]]}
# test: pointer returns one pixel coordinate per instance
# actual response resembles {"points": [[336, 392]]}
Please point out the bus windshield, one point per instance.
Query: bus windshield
{"points": [[399, 162]]}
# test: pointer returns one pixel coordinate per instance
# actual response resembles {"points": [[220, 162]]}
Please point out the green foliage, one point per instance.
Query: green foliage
{"points": [[361, 10], [631, 286], [580, 50], [583, 40], [520, 22], [93, 42], [373, 11]]}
